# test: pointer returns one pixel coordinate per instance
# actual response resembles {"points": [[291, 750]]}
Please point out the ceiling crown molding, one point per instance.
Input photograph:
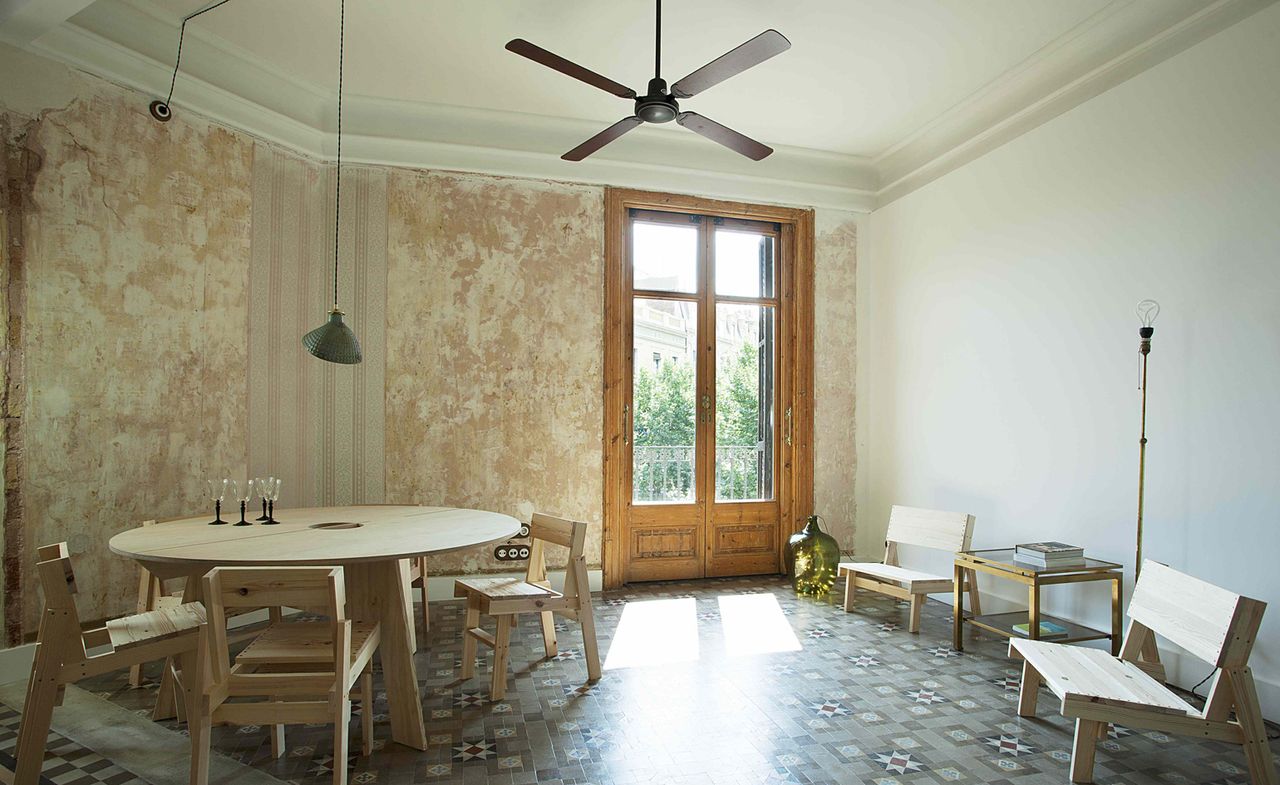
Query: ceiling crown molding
{"points": [[132, 42], [1122, 40]]}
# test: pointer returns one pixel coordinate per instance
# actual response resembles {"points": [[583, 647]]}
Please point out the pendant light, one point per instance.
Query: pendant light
{"points": [[334, 341]]}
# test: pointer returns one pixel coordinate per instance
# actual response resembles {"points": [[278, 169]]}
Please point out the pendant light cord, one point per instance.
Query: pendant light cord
{"points": [[182, 33], [337, 207]]}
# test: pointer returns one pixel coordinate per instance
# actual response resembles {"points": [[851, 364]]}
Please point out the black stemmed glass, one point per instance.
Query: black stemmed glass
{"points": [[273, 493], [244, 499], [258, 482], [217, 491]]}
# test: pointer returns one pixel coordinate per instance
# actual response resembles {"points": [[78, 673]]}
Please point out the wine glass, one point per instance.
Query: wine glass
{"points": [[217, 492], [244, 497], [273, 495], [260, 484]]}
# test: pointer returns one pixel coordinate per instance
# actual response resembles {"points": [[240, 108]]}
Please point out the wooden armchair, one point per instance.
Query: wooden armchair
{"points": [[945, 531], [299, 672], [63, 651], [1097, 689], [156, 594], [504, 598]]}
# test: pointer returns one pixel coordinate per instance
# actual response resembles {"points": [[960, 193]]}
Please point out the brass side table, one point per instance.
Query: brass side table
{"points": [[1001, 563]]}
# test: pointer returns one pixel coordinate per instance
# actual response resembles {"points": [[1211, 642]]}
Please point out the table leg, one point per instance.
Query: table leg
{"points": [[1117, 615], [375, 592], [1033, 610], [957, 612]]}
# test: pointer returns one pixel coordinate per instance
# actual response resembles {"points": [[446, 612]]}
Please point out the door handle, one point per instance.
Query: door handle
{"points": [[790, 426], [626, 419]]}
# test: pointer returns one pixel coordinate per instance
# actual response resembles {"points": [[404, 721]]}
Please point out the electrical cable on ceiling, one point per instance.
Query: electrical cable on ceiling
{"points": [[161, 110]]}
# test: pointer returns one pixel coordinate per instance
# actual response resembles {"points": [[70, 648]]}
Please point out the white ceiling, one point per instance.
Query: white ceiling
{"points": [[874, 99], [860, 76]]}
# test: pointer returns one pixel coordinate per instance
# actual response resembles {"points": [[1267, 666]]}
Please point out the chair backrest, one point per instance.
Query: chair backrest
{"points": [[947, 531], [58, 581], [557, 531], [1208, 621], [314, 588]]}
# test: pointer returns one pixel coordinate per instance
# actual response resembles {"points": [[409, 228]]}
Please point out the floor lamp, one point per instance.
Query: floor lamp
{"points": [[1147, 311]]}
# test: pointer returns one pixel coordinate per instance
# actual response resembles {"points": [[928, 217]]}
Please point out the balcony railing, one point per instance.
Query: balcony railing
{"points": [[665, 473]]}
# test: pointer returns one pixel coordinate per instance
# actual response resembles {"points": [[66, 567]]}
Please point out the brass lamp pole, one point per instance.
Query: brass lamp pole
{"points": [[1147, 311]]}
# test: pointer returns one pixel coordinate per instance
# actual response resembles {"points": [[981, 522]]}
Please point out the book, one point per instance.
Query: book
{"points": [[1048, 629], [1032, 561], [1049, 550]]}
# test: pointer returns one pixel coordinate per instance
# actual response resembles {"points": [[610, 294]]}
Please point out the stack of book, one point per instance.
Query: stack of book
{"points": [[1050, 554], [1048, 629]]}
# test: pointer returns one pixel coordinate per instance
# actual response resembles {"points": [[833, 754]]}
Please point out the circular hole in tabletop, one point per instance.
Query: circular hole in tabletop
{"points": [[336, 525]]}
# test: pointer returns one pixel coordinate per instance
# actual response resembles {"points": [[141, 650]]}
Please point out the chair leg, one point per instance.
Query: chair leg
{"points": [[366, 711], [549, 634], [135, 675], [166, 699], [1257, 750], [1082, 751], [341, 733], [588, 620], [1029, 692], [975, 602], [426, 608], [917, 603], [37, 714], [502, 645], [469, 642], [850, 590], [277, 738], [197, 712]]}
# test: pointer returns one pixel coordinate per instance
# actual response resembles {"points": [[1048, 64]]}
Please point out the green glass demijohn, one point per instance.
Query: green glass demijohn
{"points": [[813, 556]]}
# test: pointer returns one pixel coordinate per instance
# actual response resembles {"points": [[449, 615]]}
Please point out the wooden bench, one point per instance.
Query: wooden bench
{"points": [[1097, 689], [947, 531]]}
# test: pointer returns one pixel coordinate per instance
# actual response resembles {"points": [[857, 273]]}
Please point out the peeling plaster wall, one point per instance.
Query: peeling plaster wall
{"points": [[495, 348], [149, 246], [835, 464], [137, 243]]}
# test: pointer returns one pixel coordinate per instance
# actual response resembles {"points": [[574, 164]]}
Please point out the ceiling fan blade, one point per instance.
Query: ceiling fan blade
{"points": [[601, 139], [552, 60], [731, 63], [724, 135]]}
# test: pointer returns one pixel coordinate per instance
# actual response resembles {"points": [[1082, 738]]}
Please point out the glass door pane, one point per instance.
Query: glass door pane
{"points": [[664, 256], [745, 415], [744, 263], [664, 401]]}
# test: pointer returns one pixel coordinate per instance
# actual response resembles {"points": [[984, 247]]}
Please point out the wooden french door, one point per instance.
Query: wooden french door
{"points": [[707, 355]]}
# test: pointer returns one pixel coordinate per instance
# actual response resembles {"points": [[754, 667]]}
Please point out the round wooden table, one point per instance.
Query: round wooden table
{"points": [[370, 542]]}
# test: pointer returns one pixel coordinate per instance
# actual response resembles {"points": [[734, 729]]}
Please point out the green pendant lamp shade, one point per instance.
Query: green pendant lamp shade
{"points": [[334, 341]]}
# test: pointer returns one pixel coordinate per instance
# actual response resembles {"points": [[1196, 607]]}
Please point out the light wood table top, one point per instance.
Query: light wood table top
{"points": [[318, 535]]}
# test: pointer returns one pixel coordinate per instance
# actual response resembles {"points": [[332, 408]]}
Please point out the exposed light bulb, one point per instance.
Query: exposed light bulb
{"points": [[1147, 311]]}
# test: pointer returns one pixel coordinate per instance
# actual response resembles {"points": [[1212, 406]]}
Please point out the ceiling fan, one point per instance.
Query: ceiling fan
{"points": [[659, 105]]}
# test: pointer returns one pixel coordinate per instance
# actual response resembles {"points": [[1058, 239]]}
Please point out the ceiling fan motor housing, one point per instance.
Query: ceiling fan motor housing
{"points": [[657, 106]]}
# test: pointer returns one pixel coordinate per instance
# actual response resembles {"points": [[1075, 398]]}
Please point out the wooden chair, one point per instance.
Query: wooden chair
{"points": [[299, 672], [505, 598], [156, 594], [418, 577], [946, 531], [63, 651], [1097, 689]]}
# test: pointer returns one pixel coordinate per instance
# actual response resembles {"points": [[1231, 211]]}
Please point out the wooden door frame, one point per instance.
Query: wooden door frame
{"points": [[795, 485]]}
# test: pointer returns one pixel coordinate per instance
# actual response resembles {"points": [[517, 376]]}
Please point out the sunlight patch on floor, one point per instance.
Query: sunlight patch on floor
{"points": [[755, 624], [655, 632]]}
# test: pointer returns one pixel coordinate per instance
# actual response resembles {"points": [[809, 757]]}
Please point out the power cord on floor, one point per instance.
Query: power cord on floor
{"points": [[1273, 729]]}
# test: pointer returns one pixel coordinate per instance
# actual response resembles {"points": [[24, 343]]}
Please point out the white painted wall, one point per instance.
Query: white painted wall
{"points": [[998, 346]]}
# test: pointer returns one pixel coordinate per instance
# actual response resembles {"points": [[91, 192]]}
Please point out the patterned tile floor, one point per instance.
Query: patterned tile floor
{"points": [[856, 699]]}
